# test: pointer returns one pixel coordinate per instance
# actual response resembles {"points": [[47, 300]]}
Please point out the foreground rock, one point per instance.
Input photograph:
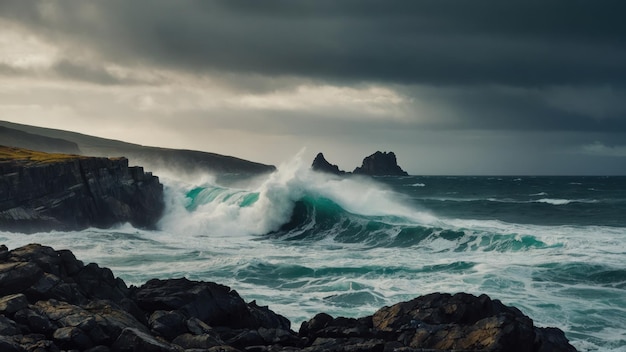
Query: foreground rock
{"points": [[43, 192], [50, 301]]}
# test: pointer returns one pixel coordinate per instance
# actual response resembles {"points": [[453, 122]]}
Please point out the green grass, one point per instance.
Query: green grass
{"points": [[35, 157]]}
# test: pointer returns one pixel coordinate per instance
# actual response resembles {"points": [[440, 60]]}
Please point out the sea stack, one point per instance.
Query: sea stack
{"points": [[380, 164], [321, 165], [43, 192]]}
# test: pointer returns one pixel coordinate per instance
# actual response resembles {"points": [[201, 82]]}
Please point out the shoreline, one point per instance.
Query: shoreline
{"points": [[50, 298]]}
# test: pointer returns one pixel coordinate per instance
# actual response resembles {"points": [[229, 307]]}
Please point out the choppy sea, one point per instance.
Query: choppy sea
{"points": [[303, 243]]}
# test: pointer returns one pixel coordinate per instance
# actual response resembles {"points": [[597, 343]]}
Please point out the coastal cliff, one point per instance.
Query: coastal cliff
{"points": [[43, 192], [51, 301]]}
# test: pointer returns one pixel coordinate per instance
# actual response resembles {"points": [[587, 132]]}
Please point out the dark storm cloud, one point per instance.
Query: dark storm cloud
{"points": [[443, 42]]}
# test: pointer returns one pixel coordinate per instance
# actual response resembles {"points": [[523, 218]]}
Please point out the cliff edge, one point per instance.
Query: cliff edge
{"points": [[43, 192]]}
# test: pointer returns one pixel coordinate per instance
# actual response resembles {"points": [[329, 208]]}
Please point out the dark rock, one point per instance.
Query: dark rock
{"points": [[72, 338], [168, 324], [16, 277], [34, 321], [321, 165], [43, 192], [99, 348], [310, 328], [214, 304], [189, 341], [8, 327], [183, 315], [36, 342], [8, 344], [135, 340], [12, 303], [197, 326], [551, 339], [380, 164], [246, 338]]}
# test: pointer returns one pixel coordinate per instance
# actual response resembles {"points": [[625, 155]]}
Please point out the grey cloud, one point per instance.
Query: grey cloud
{"points": [[81, 72], [519, 43]]}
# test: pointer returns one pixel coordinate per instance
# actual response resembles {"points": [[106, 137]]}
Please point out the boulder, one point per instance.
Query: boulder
{"points": [[436, 322]]}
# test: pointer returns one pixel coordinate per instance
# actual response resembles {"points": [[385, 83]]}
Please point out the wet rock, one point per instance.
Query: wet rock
{"points": [[214, 304], [12, 303], [204, 341], [134, 340], [168, 324], [8, 327], [34, 321], [72, 338], [70, 306], [8, 344], [197, 326]]}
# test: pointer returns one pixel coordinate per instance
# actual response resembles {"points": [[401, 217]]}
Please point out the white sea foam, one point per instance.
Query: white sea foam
{"points": [[221, 241], [554, 201]]}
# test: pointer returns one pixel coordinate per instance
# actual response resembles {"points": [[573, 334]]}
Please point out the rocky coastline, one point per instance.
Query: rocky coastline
{"points": [[43, 192], [51, 301]]}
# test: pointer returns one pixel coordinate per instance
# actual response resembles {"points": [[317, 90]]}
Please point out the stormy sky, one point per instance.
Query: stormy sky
{"points": [[452, 87]]}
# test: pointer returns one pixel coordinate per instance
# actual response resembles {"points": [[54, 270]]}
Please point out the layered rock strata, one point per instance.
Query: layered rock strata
{"points": [[50, 301], [43, 192]]}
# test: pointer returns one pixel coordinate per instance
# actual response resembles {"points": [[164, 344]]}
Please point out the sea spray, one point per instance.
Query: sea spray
{"points": [[215, 210]]}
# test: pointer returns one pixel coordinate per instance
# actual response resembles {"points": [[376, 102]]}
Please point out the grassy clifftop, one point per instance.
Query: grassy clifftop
{"points": [[26, 156]]}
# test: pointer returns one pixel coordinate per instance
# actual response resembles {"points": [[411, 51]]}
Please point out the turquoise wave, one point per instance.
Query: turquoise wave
{"points": [[315, 218]]}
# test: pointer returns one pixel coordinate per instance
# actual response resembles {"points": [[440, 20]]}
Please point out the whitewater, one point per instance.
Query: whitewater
{"points": [[303, 242]]}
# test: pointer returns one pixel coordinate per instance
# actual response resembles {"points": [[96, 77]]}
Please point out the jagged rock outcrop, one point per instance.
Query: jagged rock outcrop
{"points": [[51, 301], [43, 192], [380, 164], [321, 165]]}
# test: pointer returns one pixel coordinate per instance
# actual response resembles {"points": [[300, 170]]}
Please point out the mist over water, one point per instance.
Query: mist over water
{"points": [[304, 242]]}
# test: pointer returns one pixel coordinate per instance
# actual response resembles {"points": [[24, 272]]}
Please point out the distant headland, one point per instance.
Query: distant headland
{"points": [[377, 164]]}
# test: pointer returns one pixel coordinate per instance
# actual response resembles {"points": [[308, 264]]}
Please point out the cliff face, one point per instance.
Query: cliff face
{"points": [[63, 192]]}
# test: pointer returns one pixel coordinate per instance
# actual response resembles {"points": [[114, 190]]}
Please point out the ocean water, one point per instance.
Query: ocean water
{"points": [[304, 243]]}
